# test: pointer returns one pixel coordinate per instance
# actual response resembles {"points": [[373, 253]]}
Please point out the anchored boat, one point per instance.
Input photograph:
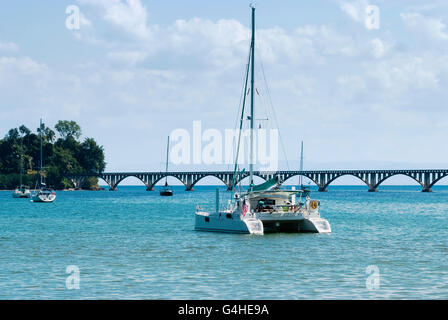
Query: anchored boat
{"points": [[263, 208], [259, 212], [166, 191], [21, 191], [42, 193]]}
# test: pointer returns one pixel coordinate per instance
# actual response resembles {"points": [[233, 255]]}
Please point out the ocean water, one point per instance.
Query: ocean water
{"points": [[134, 244]]}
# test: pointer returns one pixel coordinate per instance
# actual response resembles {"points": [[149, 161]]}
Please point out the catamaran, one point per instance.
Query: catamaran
{"points": [[42, 193], [262, 208], [21, 191], [166, 191]]}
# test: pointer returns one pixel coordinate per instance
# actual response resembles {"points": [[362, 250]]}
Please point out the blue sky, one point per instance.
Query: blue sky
{"points": [[138, 69]]}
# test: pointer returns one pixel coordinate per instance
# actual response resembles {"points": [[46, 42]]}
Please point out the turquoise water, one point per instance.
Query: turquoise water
{"points": [[134, 244]]}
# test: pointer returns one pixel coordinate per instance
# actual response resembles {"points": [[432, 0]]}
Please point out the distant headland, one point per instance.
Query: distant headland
{"points": [[64, 152]]}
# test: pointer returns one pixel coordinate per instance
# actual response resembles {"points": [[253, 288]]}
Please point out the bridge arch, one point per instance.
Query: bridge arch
{"points": [[153, 183], [226, 183], [398, 174], [104, 180], [296, 176], [343, 175], [126, 177], [441, 177], [246, 176]]}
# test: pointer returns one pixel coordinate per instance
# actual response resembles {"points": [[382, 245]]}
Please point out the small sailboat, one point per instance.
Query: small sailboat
{"points": [[21, 191], [42, 193], [166, 191], [263, 208]]}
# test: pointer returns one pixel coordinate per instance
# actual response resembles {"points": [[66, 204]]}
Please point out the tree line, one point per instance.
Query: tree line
{"points": [[63, 153]]}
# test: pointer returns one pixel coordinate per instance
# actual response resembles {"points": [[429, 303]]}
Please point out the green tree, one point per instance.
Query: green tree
{"points": [[92, 156], [47, 134], [67, 129], [66, 155], [24, 130]]}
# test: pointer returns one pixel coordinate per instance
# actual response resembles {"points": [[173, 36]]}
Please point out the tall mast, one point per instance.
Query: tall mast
{"points": [[251, 160], [301, 166], [41, 164], [21, 160], [166, 166]]}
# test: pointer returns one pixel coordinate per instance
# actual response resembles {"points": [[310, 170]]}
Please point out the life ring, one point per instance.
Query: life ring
{"points": [[314, 204]]}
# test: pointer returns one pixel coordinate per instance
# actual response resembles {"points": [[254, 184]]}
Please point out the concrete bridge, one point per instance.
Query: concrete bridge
{"points": [[322, 178]]}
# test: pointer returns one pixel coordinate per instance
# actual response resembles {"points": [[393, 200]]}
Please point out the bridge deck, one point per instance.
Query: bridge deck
{"points": [[322, 178]]}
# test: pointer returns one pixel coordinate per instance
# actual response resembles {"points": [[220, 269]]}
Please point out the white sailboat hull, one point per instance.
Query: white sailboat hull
{"points": [[20, 194], [43, 198]]}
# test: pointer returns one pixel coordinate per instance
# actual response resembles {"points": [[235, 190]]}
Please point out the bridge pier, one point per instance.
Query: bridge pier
{"points": [[427, 180], [322, 189]]}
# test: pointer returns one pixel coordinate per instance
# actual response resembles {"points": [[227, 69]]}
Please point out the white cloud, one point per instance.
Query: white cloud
{"points": [[22, 65], [84, 22], [163, 77], [356, 10], [129, 15], [9, 47], [431, 27], [128, 58], [379, 47]]}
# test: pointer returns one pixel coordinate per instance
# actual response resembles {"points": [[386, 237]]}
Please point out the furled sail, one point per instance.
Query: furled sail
{"points": [[267, 185]]}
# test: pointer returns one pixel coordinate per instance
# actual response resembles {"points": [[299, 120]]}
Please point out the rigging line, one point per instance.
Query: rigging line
{"points": [[264, 103], [240, 105], [241, 120], [273, 111]]}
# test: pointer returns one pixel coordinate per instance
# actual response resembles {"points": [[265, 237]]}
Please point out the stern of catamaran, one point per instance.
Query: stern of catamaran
{"points": [[287, 211]]}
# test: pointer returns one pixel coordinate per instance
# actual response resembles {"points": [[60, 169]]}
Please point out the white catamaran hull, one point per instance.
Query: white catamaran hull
{"points": [[227, 223], [233, 224]]}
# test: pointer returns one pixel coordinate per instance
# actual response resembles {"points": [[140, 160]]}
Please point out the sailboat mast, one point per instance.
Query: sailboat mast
{"points": [[41, 164], [301, 166], [21, 160], [251, 161], [166, 165]]}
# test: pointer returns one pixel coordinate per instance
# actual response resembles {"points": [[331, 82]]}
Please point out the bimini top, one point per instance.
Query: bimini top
{"points": [[278, 192]]}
